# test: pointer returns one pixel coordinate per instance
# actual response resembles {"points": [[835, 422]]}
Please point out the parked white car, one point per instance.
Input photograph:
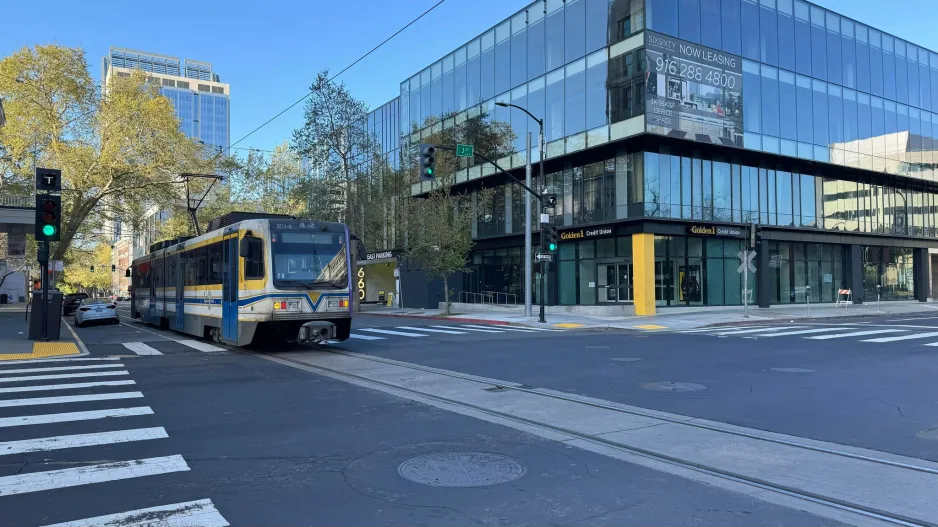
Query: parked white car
{"points": [[96, 310]]}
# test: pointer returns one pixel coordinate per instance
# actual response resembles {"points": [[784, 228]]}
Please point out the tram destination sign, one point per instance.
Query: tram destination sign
{"points": [[692, 91]]}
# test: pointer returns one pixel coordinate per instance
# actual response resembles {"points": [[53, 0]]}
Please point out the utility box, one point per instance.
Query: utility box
{"points": [[54, 324]]}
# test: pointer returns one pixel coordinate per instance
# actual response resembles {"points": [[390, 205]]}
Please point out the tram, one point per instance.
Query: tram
{"points": [[264, 279]]}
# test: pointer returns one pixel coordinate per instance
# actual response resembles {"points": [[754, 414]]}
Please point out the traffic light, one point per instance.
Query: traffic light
{"points": [[550, 200], [113, 268], [48, 217], [552, 239], [427, 162], [92, 268]]}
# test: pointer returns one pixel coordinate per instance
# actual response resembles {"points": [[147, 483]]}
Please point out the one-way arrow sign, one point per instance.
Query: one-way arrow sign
{"points": [[746, 258]]}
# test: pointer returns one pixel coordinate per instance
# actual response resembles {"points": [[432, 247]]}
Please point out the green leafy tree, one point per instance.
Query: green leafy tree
{"points": [[77, 274]]}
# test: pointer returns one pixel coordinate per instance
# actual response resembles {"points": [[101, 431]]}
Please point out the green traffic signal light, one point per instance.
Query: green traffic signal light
{"points": [[48, 230], [552, 246], [429, 171]]}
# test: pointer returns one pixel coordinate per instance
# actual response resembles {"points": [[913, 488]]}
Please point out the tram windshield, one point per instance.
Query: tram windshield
{"points": [[310, 260]]}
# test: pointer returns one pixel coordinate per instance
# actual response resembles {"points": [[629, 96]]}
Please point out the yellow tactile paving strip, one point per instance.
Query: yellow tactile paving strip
{"points": [[43, 349], [650, 326], [568, 325]]}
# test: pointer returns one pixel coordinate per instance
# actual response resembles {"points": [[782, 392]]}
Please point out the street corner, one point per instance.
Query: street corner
{"points": [[43, 350]]}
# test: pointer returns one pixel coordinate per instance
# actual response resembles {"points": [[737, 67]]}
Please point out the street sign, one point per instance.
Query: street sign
{"points": [[16, 241], [464, 150], [544, 257], [58, 266], [746, 258]]}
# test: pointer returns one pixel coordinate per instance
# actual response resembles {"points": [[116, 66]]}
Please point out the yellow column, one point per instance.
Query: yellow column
{"points": [[643, 271]]}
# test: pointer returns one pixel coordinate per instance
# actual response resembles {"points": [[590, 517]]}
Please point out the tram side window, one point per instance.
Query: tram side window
{"points": [[158, 273], [214, 261], [202, 268], [254, 262], [171, 271], [142, 275], [190, 267]]}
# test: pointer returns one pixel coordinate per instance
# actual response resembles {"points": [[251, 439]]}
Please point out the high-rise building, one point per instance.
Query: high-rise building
{"points": [[200, 98]]}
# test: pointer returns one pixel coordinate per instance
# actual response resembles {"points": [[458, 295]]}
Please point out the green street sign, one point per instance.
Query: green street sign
{"points": [[464, 150]]}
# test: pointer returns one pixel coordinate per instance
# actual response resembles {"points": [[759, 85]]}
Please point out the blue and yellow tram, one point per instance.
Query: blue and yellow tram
{"points": [[280, 279]]}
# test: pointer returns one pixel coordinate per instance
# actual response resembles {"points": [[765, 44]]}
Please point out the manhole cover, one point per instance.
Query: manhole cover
{"points": [[626, 359], [794, 370], [461, 469], [930, 433], [673, 386]]}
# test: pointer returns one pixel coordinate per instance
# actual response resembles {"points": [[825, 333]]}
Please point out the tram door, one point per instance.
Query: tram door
{"points": [[229, 293], [180, 291]]}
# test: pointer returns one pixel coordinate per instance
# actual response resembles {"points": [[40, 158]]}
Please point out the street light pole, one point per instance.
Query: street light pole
{"points": [[541, 223]]}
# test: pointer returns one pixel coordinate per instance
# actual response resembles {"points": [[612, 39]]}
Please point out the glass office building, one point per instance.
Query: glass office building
{"points": [[674, 127], [200, 99]]}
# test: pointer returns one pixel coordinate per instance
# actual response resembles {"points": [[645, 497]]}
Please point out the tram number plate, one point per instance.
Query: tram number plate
{"points": [[293, 304]]}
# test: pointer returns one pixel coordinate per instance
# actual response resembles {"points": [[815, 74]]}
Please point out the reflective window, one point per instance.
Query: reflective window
{"points": [[863, 58], [405, 106], [889, 68], [912, 60], [819, 96], [662, 16], [752, 100], [849, 51], [787, 105], [864, 123], [808, 208], [877, 83], [459, 80], [488, 66], [436, 89], [805, 109], [802, 38], [710, 26], [902, 72], [730, 24], [474, 73], [835, 109], [536, 106], [769, 97], [722, 192], [574, 29], [878, 123], [425, 108], [689, 20], [537, 45], [818, 44], [933, 71], [596, 69], [554, 114], [449, 93], [503, 57], [924, 80], [575, 98], [414, 101], [520, 120], [597, 11], [850, 120], [892, 126], [786, 35], [554, 34], [783, 198], [519, 49], [834, 66], [749, 13], [768, 33]]}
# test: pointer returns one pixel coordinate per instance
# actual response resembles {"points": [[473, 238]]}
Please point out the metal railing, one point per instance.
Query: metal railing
{"points": [[19, 202], [510, 299], [491, 298]]}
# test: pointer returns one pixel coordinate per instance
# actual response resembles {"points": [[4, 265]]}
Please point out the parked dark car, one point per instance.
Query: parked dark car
{"points": [[70, 302]]}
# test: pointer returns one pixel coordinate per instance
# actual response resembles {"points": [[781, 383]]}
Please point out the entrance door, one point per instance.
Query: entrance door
{"points": [[614, 283], [229, 293], [180, 291]]}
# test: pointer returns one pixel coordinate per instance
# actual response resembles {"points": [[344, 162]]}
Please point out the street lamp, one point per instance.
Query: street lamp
{"points": [[527, 216]]}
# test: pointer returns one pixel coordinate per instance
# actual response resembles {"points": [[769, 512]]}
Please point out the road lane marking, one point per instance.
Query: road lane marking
{"points": [[71, 386], [365, 337], [44, 444], [756, 330], [73, 477], [201, 513], [805, 332], [63, 360], [391, 332], [141, 349], [199, 345], [476, 329], [60, 368], [856, 334], [64, 376], [69, 399], [431, 330], [26, 420], [500, 328], [903, 337]]}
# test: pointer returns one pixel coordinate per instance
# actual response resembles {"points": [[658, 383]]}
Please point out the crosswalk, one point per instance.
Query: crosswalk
{"points": [[874, 334], [39, 419], [384, 333]]}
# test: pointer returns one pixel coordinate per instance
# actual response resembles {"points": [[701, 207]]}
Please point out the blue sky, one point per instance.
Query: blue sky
{"points": [[270, 56]]}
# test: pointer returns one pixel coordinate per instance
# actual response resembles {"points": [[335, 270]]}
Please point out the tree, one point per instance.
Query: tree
{"points": [[122, 146], [77, 274]]}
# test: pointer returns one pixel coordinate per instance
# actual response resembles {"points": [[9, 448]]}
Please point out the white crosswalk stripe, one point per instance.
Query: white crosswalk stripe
{"points": [[500, 328], [856, 334], [85, 375], [431, 330], [712, 329], [199, 345], [8, 403], [44, 444], [141, 349], [201, 513], [70, 386], [904, 337], [365, 337], [391, 332], [66, 417], [804, 332], [753, 330], [77, 359], [59, 368], [71, 477], [481, 330]]}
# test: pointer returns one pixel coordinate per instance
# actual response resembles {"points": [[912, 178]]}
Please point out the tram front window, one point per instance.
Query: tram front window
{"points": [[311, 260]]}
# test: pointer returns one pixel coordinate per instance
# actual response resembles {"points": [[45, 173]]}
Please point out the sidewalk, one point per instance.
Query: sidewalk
{"points": [[14, 333], [676, 317]]}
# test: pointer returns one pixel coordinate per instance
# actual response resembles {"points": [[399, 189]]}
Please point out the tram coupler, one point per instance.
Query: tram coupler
{"points": [[316, 332]]}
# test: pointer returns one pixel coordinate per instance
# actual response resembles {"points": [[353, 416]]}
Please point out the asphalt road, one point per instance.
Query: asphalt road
{"points": [[242, 440]]}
